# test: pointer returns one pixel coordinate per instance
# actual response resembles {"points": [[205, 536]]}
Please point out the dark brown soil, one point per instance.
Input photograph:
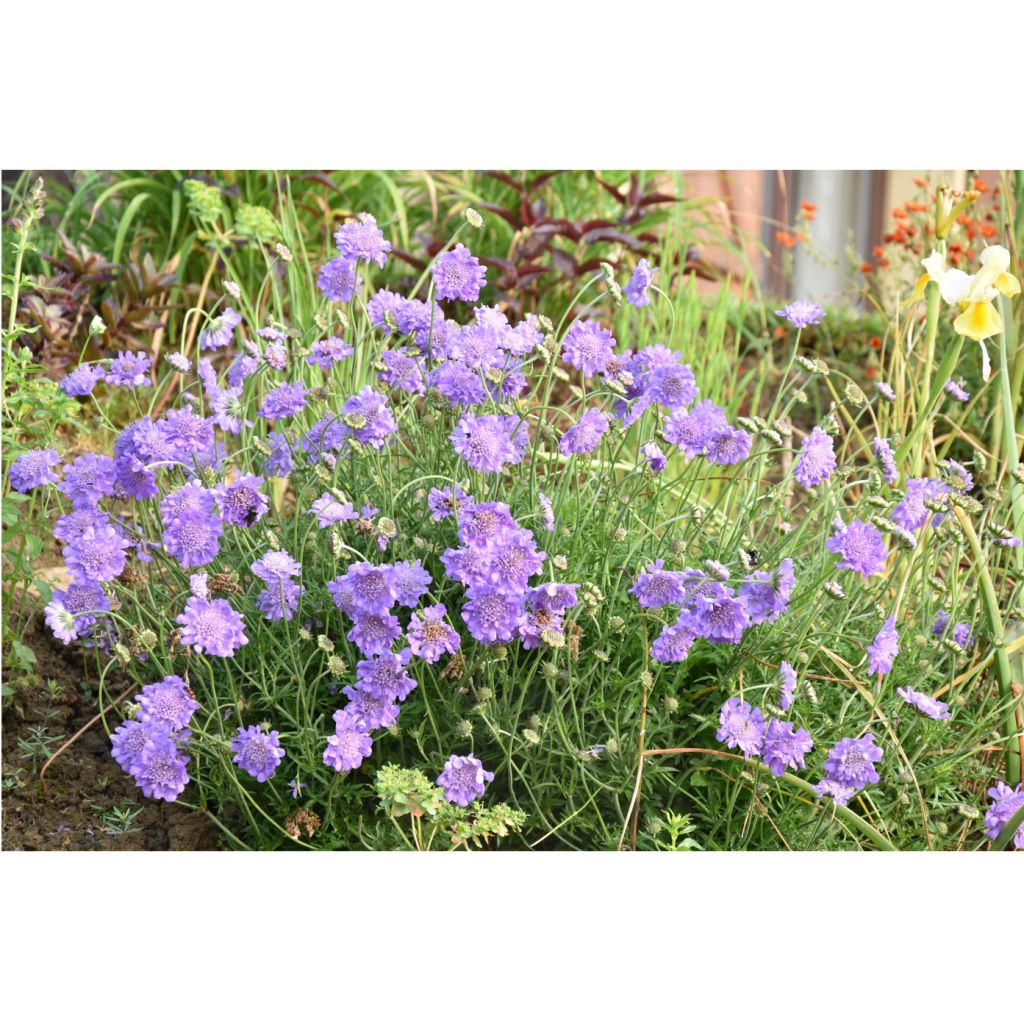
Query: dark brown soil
{"points": [[85, 783]]}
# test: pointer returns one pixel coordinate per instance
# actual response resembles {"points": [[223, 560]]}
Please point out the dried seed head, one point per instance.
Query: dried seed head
{"points": [[474, 218], [616, 624], [530, 736], [834, 590], [336, 666], [670, 704], [560, 562]]}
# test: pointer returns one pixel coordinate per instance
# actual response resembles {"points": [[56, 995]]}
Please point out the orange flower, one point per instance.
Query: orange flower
{"points": [[979, 185], [865, 268], [899, 213], [883, 263], [916, 207], [872, 372], [988, 231], [920, 182], [785, 238], [875, 342]]}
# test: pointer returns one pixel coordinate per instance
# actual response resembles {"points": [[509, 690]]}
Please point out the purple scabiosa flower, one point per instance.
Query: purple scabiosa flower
{"points": [[885, 391], [655, 457], [187, 433], [199, 585], [351, 743], [97, 556], [1008, 542], [373, 632], [279, 600], [639, 282], [283, 401], [192, 499], [672, 385], [458, 383], [228, 411], [956, 473], [929, 706], [1005, 804], [802, 314], [168, 703], [128, 739], [212, 627], [492, 616], [484, 522], [458, 275], [547, 512], [61, 621], [728, 446], [817, 459], [409, 582], [371, 587], [512, 561], [238, 372], [554, 597], [741, 726], [280, 461], [361, 239], [71, 613], [402, 372], [275, 566], [328, 351], [884, 648], [674, 642], [962, 635], [179, 362], [840, 793], [33, 469], [940, 623], [193, 540], [220, 331], [860, 545], [275, 355], [691, 430], [887, 459], [785, 748], [445, 502], [788, 688], [372, 712], [463, 779], [765, 595], [338, 279], [82, 380], [851, 762], [257, 752], [722, 620], [160, 768], [957, 391], [584, 436], [328, 511], [384, 676], [657, 586], [88, 479], [130, 370], [75, 523], [371, 407], [588, 346], [430, 636], [912, 513], [489, 443], [242, 503], [384, 301]]}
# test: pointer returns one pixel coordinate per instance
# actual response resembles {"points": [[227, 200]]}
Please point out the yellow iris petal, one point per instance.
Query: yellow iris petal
{"points": [[919, 288], [1007, 284], [979, 320]]}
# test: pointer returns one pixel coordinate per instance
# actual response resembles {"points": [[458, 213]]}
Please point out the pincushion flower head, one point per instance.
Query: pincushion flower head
{"points": [[257, 752], [194, 539], [82, 380], [130, 370], [884, 648], [690, 430], [97, 556], [384, 676], [851, 762], [33, 469], [167, 702], [657, 586], [860, 545], [220, 331], [458, 274], [372, 712], [338, 279], [741, 726], [817, 459], [1005, 804], [160, 768], [361, 239], [492, 616], [242, 503], [351, 743], [463, 779], [368, 417], [326, 352], [788, 686], [784, 746], [765, 595], [584, 436], [727, 446], [639, 282], [588, 346], [489, 443], [802, 314], [212, 627], [430, 636], [673, 643], [672, 385], [926, 705]]}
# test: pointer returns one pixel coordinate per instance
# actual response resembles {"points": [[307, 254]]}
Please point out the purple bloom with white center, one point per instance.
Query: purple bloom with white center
{"points": [[958, 475], [351, 743], [326, 352], [283, 401], [372, 712], [167, 702], [384, 301], [912, 513], [71, 613], [655, 457], [691, 430], [929, 706], [721, 620], [128, 739], [97, 556], [443, 503], [194, 540], [765, 595], [279, 600], [371, 587], [130, 370], [492, 616], [957, 390], [275, 355], [674, 642], [851, 762], [458, 383], [884, 648], [728, 446], [1005, 804], [88, 479], [885, 391], [275, 566], [463, 779], [242, 503], [409, 582], [212, 627], [785, 748], [192, 499], [887, 460], [338, 279], [373, 632], [384, 676], [802, 314], [373, 409], [402, 372], [583, 437], [328, 511], [489, 443], [430, 636], [257, 752], [61, 621], [82, 380], [458, 275], [639, 282], [220, 331], [672, 385], [788, 687], [33, 469], [657, 586], [160, 768], [588, 346], [741, 726], [860, 545], [361, 239], [817, 459]]}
